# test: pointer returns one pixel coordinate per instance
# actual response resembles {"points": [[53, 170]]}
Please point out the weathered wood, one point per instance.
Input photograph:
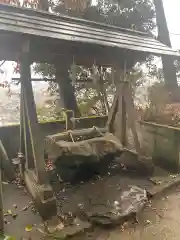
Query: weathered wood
{"points": [[25, 138], [70, 124], [22, 131], [35, 135], [1, 202], [123, 105], [6, 164], [52, 80], [131, 115], [123, 117], [113, 111], [70, 30], [44, 199], [77, 133]]}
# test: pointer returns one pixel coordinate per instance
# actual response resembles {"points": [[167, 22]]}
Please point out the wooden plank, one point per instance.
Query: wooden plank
{"points": [[6, 164], [77, 133]]}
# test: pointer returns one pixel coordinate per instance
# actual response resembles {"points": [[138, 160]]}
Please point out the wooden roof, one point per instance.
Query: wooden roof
{"points": [[66, 35]]}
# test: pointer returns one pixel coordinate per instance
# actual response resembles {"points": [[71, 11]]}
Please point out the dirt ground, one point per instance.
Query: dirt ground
{"points": [[17, 201], [160, 220]]}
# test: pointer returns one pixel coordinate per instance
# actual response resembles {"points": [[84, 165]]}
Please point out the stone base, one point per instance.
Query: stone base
{"points": [[133, 162], [42, 195]]}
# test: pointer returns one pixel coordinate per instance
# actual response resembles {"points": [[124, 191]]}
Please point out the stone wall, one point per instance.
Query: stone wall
{"points": [[162, 142], [10, 134]]}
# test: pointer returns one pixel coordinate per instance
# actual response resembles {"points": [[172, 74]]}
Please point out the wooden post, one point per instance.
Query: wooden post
{"points": [[131, 115], [123, 121], [123, 105], [30, 112], [69, 120], [1, 196], [22, 139], [1, 205], [25, 142]]}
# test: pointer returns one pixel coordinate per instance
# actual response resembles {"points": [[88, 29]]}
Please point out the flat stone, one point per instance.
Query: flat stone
{"points": [[69, 231], [165, 185], [126, 205]]}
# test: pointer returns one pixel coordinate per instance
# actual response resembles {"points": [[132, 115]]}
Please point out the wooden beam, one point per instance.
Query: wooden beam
{"points": [[52, 80], [1, 203], [30, 108], [131, 115], [124, 107], [25, 138]]}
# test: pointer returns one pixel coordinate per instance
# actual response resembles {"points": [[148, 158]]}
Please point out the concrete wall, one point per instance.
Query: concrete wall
{"points": [[162, 143], [10, 134]]}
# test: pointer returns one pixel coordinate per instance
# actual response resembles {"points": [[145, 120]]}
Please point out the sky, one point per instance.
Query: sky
{"points": [[172, 10]]}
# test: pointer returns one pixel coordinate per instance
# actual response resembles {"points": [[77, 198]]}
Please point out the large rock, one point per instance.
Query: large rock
{"points": [[125, 206], [82, 159]]}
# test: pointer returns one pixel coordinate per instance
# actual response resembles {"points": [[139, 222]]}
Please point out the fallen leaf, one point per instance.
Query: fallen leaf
{"points": [[148, 221], [25, 208], [9, 238], [6, 221], [158, 182], [173, 176], [33, 210], [41, 230], [14, 215], [28, 228], [6, 214], [5, 183], [9, 212], [116, 203]]}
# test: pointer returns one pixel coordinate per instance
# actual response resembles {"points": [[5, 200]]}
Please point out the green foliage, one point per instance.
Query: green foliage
{"points": [[44, 69], [134, 14], [50, 114]]}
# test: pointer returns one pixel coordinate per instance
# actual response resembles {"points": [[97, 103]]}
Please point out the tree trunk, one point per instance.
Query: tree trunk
{"points": [[66, 91], [167, 61]]}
